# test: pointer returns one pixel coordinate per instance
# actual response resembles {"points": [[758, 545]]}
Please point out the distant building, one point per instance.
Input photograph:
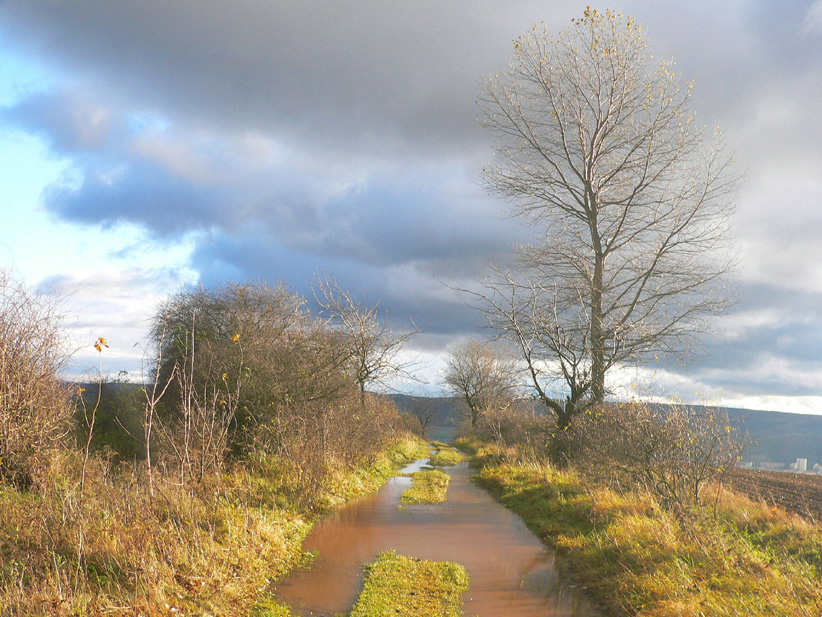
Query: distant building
{"points": [[801, 464]]}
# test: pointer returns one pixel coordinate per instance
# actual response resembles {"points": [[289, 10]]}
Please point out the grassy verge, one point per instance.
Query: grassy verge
{"points": [[445, 457], [212, 547], [398, 586], [635, 558], [428, 486], [368, 478]]}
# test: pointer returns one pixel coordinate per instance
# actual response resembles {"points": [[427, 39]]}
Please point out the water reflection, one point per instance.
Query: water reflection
{"points": [[511, 572]]}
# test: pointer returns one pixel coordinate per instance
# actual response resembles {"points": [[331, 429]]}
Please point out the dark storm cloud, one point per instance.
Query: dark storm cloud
{"points": [[406, 294], [329, 71], [369, 100], [138, 194]]}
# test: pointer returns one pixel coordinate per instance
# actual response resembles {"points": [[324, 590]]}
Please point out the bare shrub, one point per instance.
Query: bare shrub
{"points": [[671, 450], [198, 434], [321, 437], [35, 405], [518, 427], [253, 375], [372, 348]]}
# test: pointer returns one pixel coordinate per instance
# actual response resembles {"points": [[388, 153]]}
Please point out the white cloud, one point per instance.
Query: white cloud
{"points": [[812, 23], [116, 304]]}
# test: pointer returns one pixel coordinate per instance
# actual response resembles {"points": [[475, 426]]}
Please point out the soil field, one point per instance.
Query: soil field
{"points": [[798, 493]]}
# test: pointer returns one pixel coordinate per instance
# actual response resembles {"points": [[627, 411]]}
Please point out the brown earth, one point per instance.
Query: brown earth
{"points": [[798, 493]]}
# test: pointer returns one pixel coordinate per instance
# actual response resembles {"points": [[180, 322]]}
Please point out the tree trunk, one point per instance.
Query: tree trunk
{"points": [[597, 338]]}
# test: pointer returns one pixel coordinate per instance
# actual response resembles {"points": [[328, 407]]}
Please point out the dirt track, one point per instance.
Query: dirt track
{"points": [[799, 493]]}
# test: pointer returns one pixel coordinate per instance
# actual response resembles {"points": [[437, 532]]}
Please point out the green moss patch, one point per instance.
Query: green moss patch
{"points": [[445, 457], [428, 486], [399, 586]]}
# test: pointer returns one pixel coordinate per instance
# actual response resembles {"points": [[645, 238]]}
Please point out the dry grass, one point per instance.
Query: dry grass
{"points": [[445, 457], [213, 547]]}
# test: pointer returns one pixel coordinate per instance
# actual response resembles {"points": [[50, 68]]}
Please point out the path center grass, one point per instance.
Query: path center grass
{"points": [[428, 486], [445, 457], [399, 586]]}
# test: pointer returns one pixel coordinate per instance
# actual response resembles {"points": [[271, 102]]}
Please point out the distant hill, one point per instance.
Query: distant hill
{"points": [[778, 438], [443, 425]]}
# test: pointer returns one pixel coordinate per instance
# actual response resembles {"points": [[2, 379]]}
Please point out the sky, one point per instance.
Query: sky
{"points": [[148, 145]]}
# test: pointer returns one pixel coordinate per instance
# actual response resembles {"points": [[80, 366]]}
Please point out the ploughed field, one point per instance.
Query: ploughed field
{"points": [[798, 493]]}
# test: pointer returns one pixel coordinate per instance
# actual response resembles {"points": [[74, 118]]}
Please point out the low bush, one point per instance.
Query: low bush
{"points": [[518, 426], [672, 451], [35, 404]]}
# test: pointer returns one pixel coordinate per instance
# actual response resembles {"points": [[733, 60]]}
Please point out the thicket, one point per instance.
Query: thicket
{"points": [[673, 452], [190, 492], [35, 404]]}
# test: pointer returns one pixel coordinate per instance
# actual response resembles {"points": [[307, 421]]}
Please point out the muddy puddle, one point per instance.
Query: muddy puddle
{"points": [[512, 573]]}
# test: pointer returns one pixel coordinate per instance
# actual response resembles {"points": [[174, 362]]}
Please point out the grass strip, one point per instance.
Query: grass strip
{"points": [[445, 457], [637, 559], [428, 486], [399, 586]]}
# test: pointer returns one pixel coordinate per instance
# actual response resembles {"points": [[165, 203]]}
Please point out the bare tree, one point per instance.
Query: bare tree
{"points": [[424, 410], [372, 346], [598, 151], [484, 377]]}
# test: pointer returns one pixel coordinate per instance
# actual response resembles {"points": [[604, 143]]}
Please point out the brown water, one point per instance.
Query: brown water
{"points": [[512, 573]]}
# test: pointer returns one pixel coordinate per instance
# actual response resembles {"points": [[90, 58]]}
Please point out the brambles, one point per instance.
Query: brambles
{"points": [[35, 405], [673, 451], [518, 427], [252, 373]]}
